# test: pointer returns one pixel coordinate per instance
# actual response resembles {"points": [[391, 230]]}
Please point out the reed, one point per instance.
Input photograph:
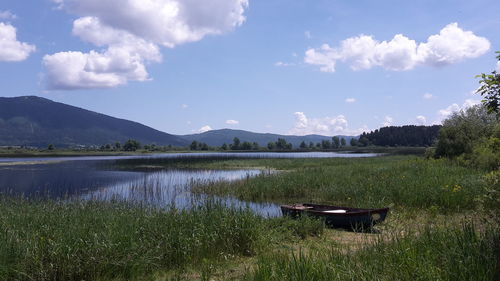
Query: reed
{"points": [[400, 181], [463, 253], [87, 240]]}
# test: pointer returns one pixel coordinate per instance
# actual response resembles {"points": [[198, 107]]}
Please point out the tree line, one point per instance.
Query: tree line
{"points": [[410, 135]]}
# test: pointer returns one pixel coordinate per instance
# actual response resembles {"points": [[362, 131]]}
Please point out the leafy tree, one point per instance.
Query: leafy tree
{"points": [[463, 130], [204, 146], [490, 90], [50, 147], [118, 145], [363, 140], [236, 144], [343, 142], [354, 142], [326, 144], [246, 145], [131, 145], [271, 145], [335, 142], [311, 145], [255, 146], [303, 145], [224, 146], [281, 144], [194, 145]]}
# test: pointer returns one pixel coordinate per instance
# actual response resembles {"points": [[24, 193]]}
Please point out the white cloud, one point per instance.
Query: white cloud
{"points": [[350, 100], [130, 33], [421, 120], [7, 15], [232, 122], [204, 129], [451, 45], [322, 126], [427, 96], [388, 120], [166, 22], [10, 48], [280, 63], [448, 111]]}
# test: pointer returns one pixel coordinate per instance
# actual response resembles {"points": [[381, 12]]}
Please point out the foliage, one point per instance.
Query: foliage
{"points": [[463, 130], [401, 181], [490, 90], [87, 240], [335, 142], [131, 145], [441, 254], [410, 135]]}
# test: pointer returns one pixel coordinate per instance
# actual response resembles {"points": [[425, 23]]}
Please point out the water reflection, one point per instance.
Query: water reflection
{"points": [[98, 180], [205, 155]]}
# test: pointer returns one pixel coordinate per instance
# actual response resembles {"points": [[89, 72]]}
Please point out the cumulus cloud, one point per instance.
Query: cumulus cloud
{"points": [[451, 45], [322, 126], [7, 15], [11, 49], [130, 34], [232, 122], [446, 112], [205, 128], [427, 96], [421, 120], [388, 120], [350, 100]]}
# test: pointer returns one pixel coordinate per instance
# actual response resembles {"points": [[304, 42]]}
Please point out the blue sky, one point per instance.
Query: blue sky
{"points": [[289, 67]]}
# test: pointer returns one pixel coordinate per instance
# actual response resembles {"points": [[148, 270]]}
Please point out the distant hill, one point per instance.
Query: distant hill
{"points": [[219, 137], [36, 121]]}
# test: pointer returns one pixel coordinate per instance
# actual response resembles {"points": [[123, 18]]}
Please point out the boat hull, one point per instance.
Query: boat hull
{"points": [[353, 218]]}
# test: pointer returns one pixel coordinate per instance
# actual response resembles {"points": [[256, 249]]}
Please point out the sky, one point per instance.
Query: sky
{"points": [[279, 66]]}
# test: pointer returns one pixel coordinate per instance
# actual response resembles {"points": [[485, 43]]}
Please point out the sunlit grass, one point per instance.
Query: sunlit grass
{"points": [[372, 182], [462, 253], [45, 240]]}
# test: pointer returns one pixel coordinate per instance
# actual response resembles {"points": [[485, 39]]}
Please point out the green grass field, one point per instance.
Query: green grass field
{"points": [[440, 228]]}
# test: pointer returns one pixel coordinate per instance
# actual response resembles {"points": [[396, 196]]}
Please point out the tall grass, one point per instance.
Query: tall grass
{"points": [[90, 240], [372, 182], [433, 254]]}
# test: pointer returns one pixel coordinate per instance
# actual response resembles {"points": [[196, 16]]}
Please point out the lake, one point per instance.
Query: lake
{"points": [[108, 178]]}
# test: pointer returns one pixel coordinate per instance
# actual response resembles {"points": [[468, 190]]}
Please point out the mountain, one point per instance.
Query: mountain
{"points": [[219, 137], [36, 121]]}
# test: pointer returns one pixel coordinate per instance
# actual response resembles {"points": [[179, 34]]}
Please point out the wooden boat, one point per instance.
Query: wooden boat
{"points": [[335, 216]]}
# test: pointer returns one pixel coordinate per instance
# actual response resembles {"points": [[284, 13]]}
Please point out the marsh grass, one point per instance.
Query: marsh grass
{"points": [[422, 239], [462, 253], [372, 182], [87, 240]]}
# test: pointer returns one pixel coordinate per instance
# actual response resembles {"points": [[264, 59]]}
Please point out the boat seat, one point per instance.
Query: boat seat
{"points": [[335, 211]]}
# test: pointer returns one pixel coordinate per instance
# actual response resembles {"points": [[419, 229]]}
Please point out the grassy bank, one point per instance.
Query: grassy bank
{"points": [[461, 253], [106, 241], [424, 237], [400, 181]]}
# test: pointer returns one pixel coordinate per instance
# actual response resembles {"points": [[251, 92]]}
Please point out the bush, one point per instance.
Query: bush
{"points": [[463, 130]]}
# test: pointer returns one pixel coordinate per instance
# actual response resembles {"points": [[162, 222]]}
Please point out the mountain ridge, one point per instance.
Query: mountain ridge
{"points": [[38, 121]]}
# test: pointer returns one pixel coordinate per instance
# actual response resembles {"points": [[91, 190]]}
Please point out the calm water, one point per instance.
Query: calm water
{"points": [[100, 178], [220, 155]]}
